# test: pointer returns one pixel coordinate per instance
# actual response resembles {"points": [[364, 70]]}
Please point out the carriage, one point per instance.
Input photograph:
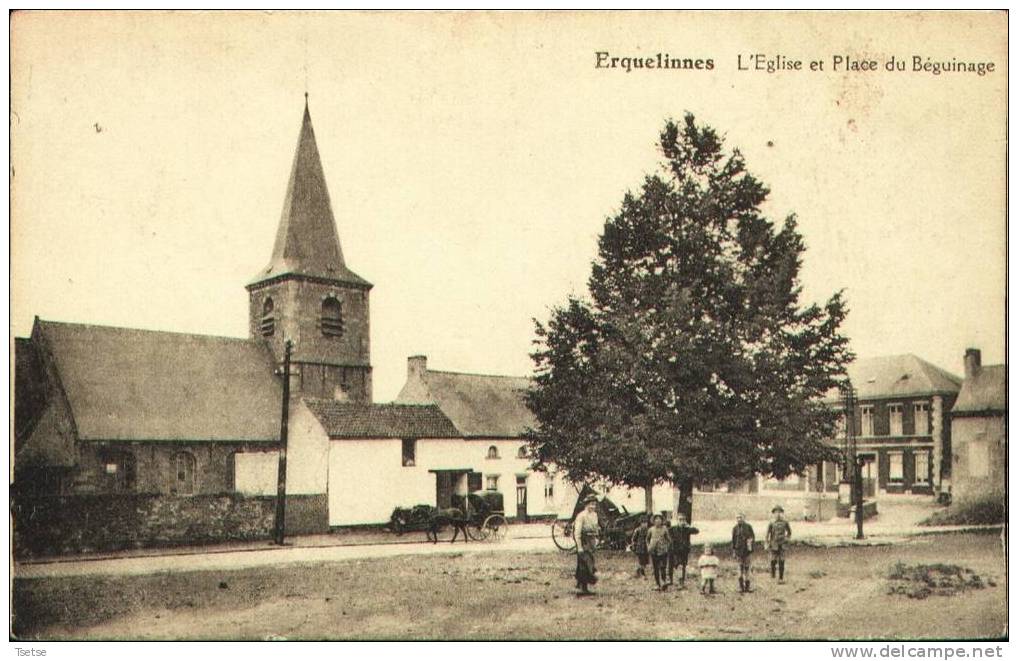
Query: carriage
{"points": [[485, 514], [481, 514], [617, 524]]}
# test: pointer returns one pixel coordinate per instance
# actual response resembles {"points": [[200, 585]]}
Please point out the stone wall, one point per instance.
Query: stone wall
{"points": [[797, 506], [58, 525]]}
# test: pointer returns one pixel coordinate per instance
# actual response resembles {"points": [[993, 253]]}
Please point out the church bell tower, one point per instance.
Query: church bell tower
{"points": [[307, 294]]}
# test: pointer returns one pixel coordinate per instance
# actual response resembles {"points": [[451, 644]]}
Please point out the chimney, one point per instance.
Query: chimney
{"points": [[416, 366], [973, 363]]}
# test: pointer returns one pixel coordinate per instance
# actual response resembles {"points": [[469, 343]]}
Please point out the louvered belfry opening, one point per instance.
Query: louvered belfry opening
{"points": [[332, 317]]}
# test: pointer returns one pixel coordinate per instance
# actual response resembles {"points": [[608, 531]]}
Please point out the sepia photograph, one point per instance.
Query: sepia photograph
{"points": [[509, 326]]}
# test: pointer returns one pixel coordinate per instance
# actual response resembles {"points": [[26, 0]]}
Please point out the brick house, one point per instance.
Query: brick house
{"points": [[902, 428], [979, 432]]}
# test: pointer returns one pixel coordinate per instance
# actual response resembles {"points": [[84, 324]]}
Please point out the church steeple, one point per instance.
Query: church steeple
{"points": [[307, 242], [307, 294]]}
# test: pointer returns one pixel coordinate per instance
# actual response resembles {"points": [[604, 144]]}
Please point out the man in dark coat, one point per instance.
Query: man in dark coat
{"points": [[681, 531], [742, 548]]}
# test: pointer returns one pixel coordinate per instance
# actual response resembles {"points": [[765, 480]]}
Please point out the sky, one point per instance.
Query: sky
{"points": [[472, 160]]}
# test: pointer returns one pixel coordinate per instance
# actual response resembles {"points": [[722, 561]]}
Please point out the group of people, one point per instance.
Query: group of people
{"points": [[667, 549]]}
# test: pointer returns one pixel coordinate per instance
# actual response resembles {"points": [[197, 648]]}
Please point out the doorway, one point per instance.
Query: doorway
{"points": [[521, 498], [869, 473]]}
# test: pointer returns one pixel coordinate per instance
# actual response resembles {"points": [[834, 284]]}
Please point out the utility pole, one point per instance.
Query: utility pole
{"points": [[852, 458], [283, 435], [858, 498]]}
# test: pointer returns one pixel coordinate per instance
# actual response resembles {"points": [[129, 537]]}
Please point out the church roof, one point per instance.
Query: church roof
{"points": [[139, 385], [307, 243], [348, 420], [984, 392], [481, 406], [902, 375]]}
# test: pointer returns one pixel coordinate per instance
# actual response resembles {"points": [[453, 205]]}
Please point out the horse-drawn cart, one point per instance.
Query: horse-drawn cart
{"points": [[617, 524], [480, 516], [485, 513]]}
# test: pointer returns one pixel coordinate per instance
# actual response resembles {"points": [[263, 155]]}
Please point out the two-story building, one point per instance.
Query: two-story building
{"points": [[901, 430], [979, 432]]}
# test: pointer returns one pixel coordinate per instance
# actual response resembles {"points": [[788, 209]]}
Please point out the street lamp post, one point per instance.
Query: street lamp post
{"points": [[283, 437]]}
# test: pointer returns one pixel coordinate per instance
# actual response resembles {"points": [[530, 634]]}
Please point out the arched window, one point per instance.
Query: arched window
{"points": [[332, 317], [268, 323], [492, 452], [183, 474], [522, 452]]}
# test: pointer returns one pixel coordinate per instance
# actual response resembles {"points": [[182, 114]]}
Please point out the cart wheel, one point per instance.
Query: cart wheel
{"points": [[497, 527], [562, 535], [477, 532]]}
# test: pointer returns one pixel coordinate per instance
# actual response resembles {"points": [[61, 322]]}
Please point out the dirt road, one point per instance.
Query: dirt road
{"points": [[830, 594]]}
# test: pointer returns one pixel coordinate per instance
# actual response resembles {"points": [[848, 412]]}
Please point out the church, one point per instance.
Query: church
{"points": [[174, 418]]}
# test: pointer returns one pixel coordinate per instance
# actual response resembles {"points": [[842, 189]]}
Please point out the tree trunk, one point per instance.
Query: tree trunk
{"points": [[686, 498], [648, 499]]}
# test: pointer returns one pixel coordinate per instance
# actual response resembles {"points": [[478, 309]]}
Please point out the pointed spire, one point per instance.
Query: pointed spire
{"points": [[307, 242]]}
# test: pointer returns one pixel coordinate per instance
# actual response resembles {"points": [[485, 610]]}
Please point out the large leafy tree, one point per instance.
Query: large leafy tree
{"points": [[692, 361]]}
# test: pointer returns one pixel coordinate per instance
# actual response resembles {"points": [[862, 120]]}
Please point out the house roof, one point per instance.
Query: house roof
{"points": [[129, 384], [480, 406], [984, 392], [307, 242], [348, 420], [898, 376]]}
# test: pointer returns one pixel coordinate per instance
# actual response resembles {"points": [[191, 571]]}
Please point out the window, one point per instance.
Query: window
{"points": [[979, 459], [409, 452], [332, 317], [922, 467], [922, 419], [895, 467], [491, 482], [522, 452], [268, 322], [183, 464], [116, 471], [492, 452], [867, 420], [840, 426], [894, 413], [549, 486]]}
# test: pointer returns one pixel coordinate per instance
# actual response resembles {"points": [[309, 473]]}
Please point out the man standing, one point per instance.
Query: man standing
{"points": [[585, 532], [680, 547], [742, 548], [778, 534]]}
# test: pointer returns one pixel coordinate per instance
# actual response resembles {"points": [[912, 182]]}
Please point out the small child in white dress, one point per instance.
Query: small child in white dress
{"points": [[708, 565]]}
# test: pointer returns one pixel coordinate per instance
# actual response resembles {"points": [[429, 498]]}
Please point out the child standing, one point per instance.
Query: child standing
{"points": [[659, 543], [708, 565], [639, 545], [680, 547]]}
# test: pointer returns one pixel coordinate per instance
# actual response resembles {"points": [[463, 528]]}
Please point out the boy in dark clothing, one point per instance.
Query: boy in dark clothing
{"points": [[659, 543], [680, 547], [778, 534], [742, 548], [639, 546]]}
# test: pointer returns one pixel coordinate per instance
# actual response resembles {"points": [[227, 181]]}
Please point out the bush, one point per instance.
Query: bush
{"points": [[976, 512], [922, 581]]}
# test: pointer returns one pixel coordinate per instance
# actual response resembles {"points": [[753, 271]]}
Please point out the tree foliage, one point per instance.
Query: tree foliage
{"points": [[692, 360]]}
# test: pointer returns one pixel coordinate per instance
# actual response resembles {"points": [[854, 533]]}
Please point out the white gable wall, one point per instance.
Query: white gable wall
{"points": [[307, 453]]}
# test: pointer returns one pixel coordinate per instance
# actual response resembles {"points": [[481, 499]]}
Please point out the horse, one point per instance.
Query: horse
{"points": [[431, 519], [449, 516]]}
